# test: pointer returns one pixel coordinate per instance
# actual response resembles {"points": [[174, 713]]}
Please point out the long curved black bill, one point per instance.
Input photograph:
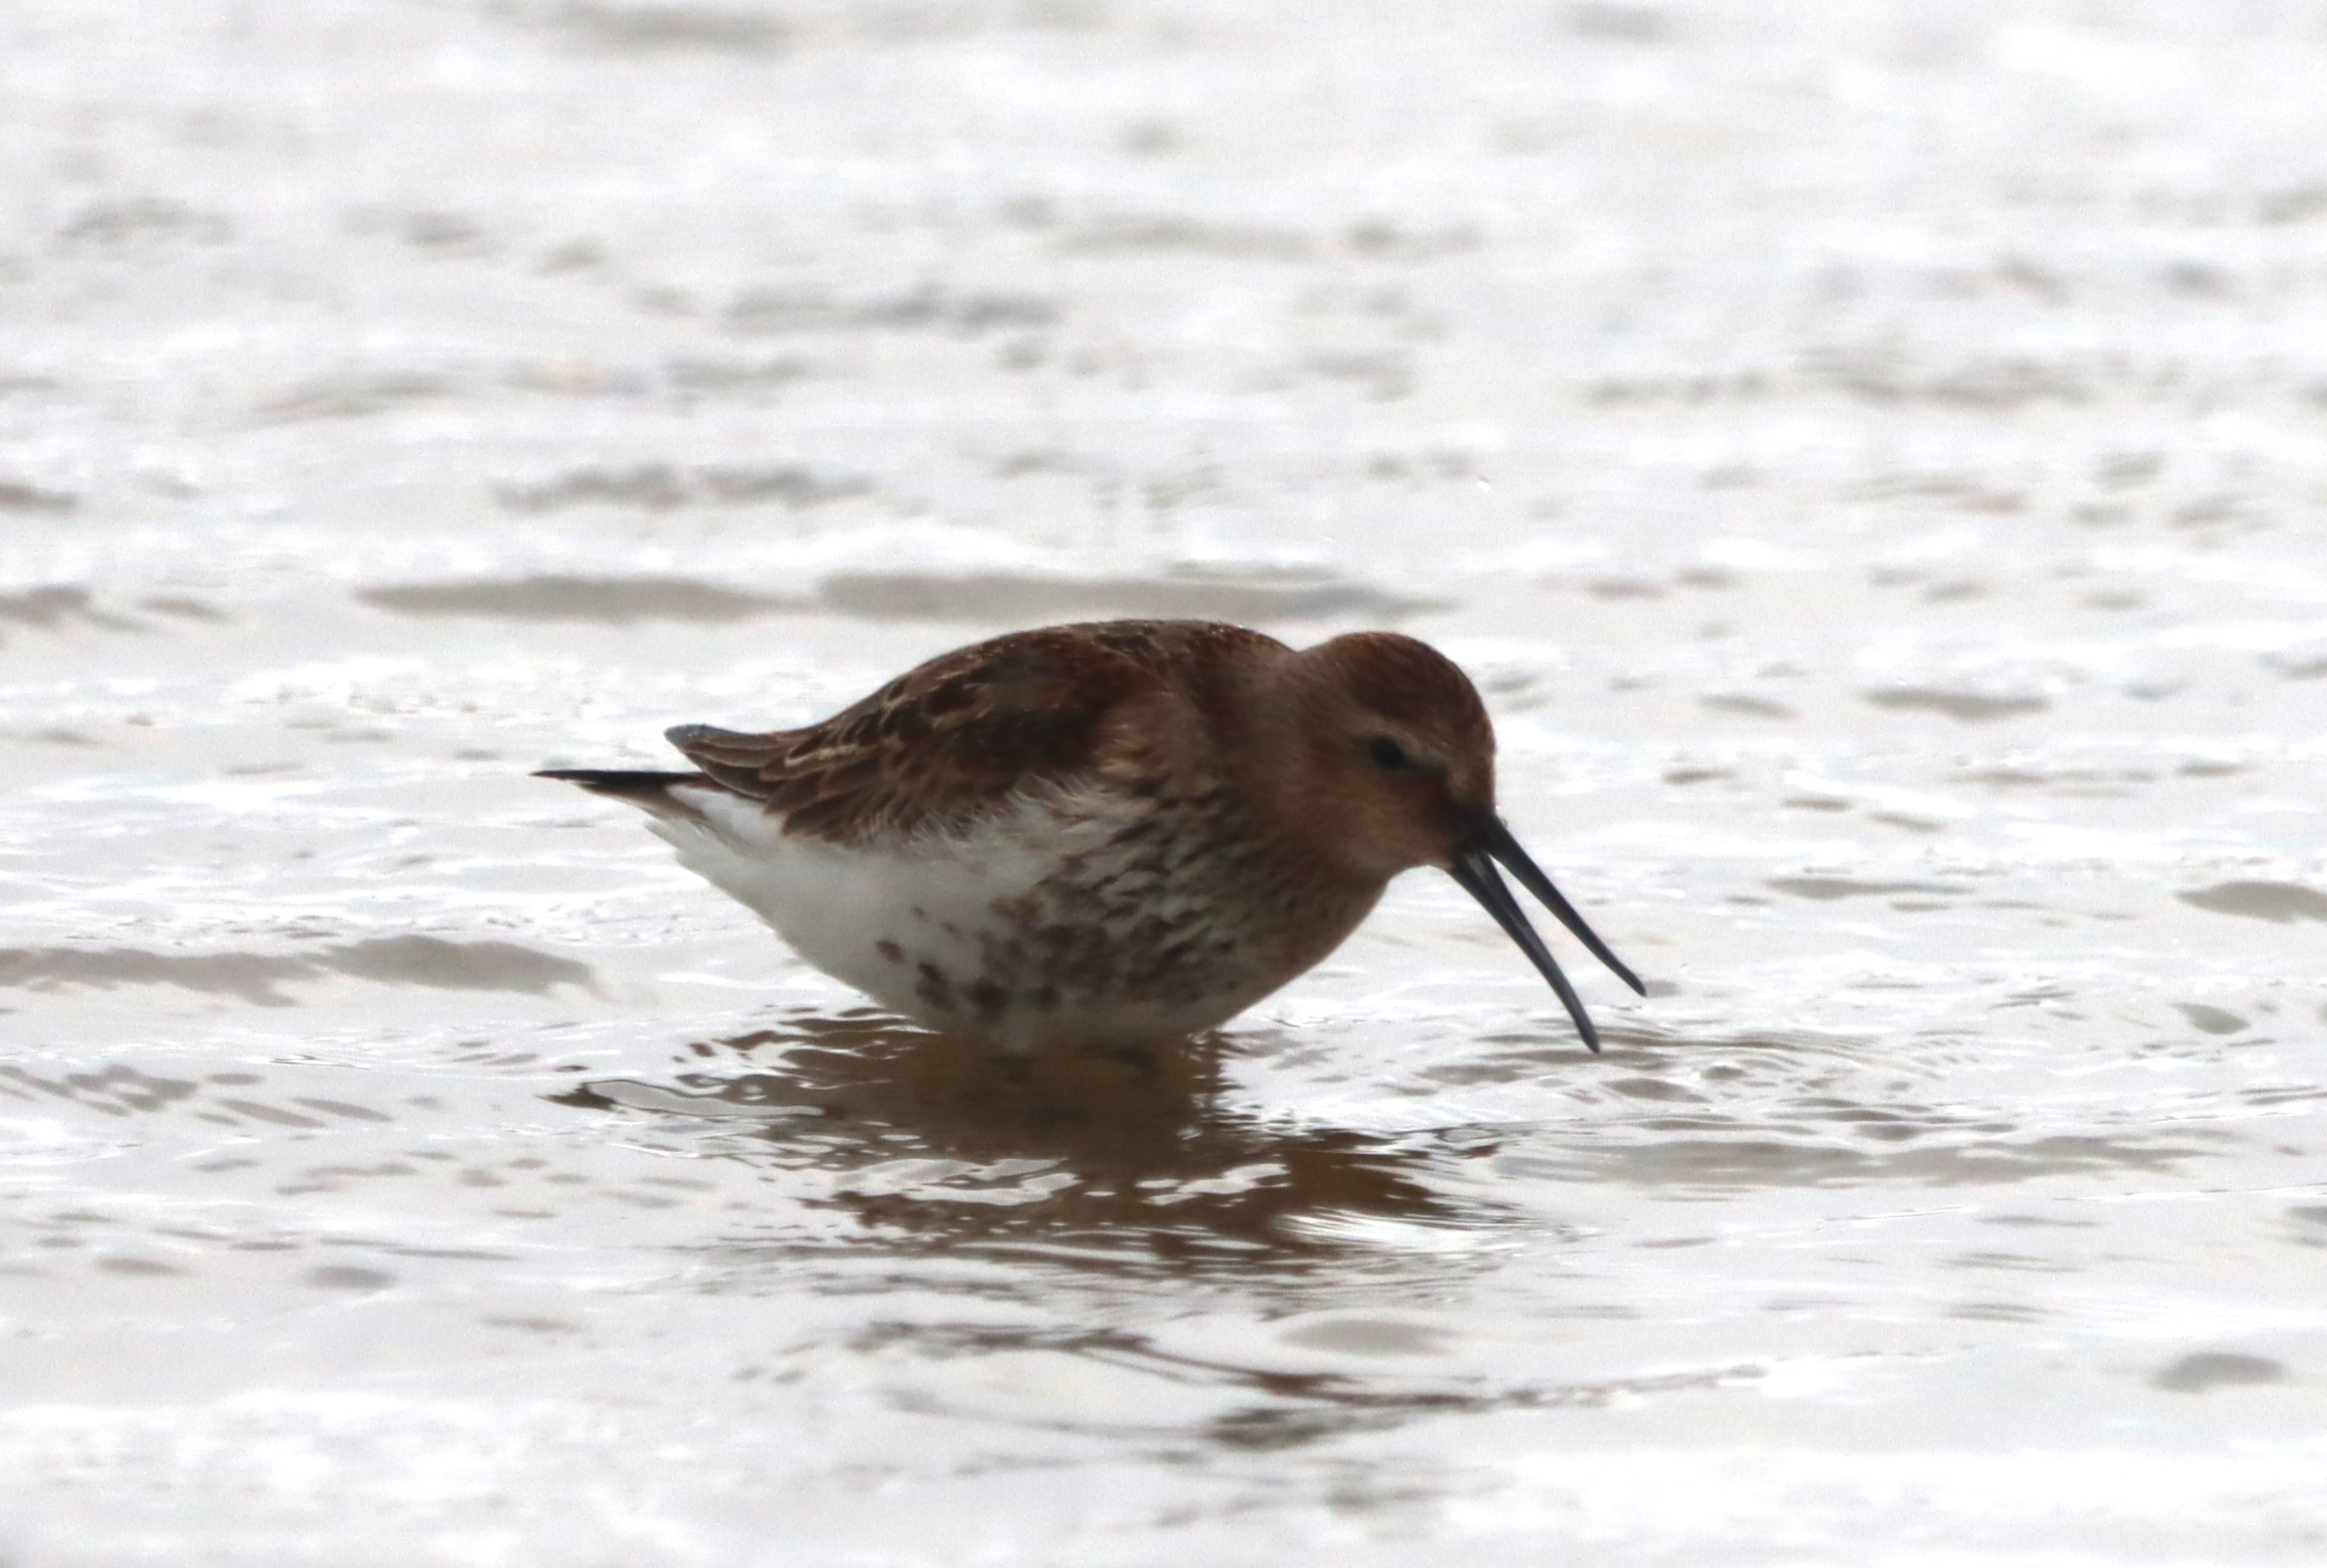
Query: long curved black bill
{"points": [[1477, 874], [1496, 839]]}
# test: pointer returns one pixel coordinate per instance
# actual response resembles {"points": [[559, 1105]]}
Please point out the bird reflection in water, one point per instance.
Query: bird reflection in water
{"points": [[1131, 1155]]}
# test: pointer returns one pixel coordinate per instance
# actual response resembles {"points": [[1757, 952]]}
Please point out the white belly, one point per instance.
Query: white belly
{"points": [[939, 928]]}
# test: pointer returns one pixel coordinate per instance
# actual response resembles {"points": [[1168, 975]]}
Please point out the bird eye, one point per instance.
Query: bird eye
{"points": [[1387, 753]]}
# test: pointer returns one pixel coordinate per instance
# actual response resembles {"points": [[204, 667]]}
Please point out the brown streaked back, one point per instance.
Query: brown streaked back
{"points": [[953, 740]]}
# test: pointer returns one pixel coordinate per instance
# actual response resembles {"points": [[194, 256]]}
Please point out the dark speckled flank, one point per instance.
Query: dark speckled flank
{"points": [[1163, 917]]}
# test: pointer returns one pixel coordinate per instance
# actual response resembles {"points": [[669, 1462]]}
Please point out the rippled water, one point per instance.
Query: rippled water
{"points": [[1873, 456]]}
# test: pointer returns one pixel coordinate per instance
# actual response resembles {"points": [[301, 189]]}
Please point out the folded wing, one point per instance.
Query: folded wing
{"points": [[951, 742]]}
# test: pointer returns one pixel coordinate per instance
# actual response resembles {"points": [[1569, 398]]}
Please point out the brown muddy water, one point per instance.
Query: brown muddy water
{"points": [[1873, 457]]}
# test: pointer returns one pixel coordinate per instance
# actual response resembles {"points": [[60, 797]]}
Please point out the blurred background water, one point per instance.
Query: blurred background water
{"points": [[1872, 456]]}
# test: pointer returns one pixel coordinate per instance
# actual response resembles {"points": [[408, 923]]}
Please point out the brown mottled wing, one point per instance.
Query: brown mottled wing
{"points": [[952, 740]]}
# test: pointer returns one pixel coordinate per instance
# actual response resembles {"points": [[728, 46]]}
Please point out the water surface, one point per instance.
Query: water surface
{"points": [[1871, 458]]}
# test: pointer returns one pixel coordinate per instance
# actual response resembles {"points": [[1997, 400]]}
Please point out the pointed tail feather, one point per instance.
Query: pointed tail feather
{"points": [[640, 787]]}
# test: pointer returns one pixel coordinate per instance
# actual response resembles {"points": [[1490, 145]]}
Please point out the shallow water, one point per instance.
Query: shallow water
{"points": [[1871, 458]]}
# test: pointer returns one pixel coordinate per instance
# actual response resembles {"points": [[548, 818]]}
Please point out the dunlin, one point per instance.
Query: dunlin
{"points": [[1112, 832]]}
